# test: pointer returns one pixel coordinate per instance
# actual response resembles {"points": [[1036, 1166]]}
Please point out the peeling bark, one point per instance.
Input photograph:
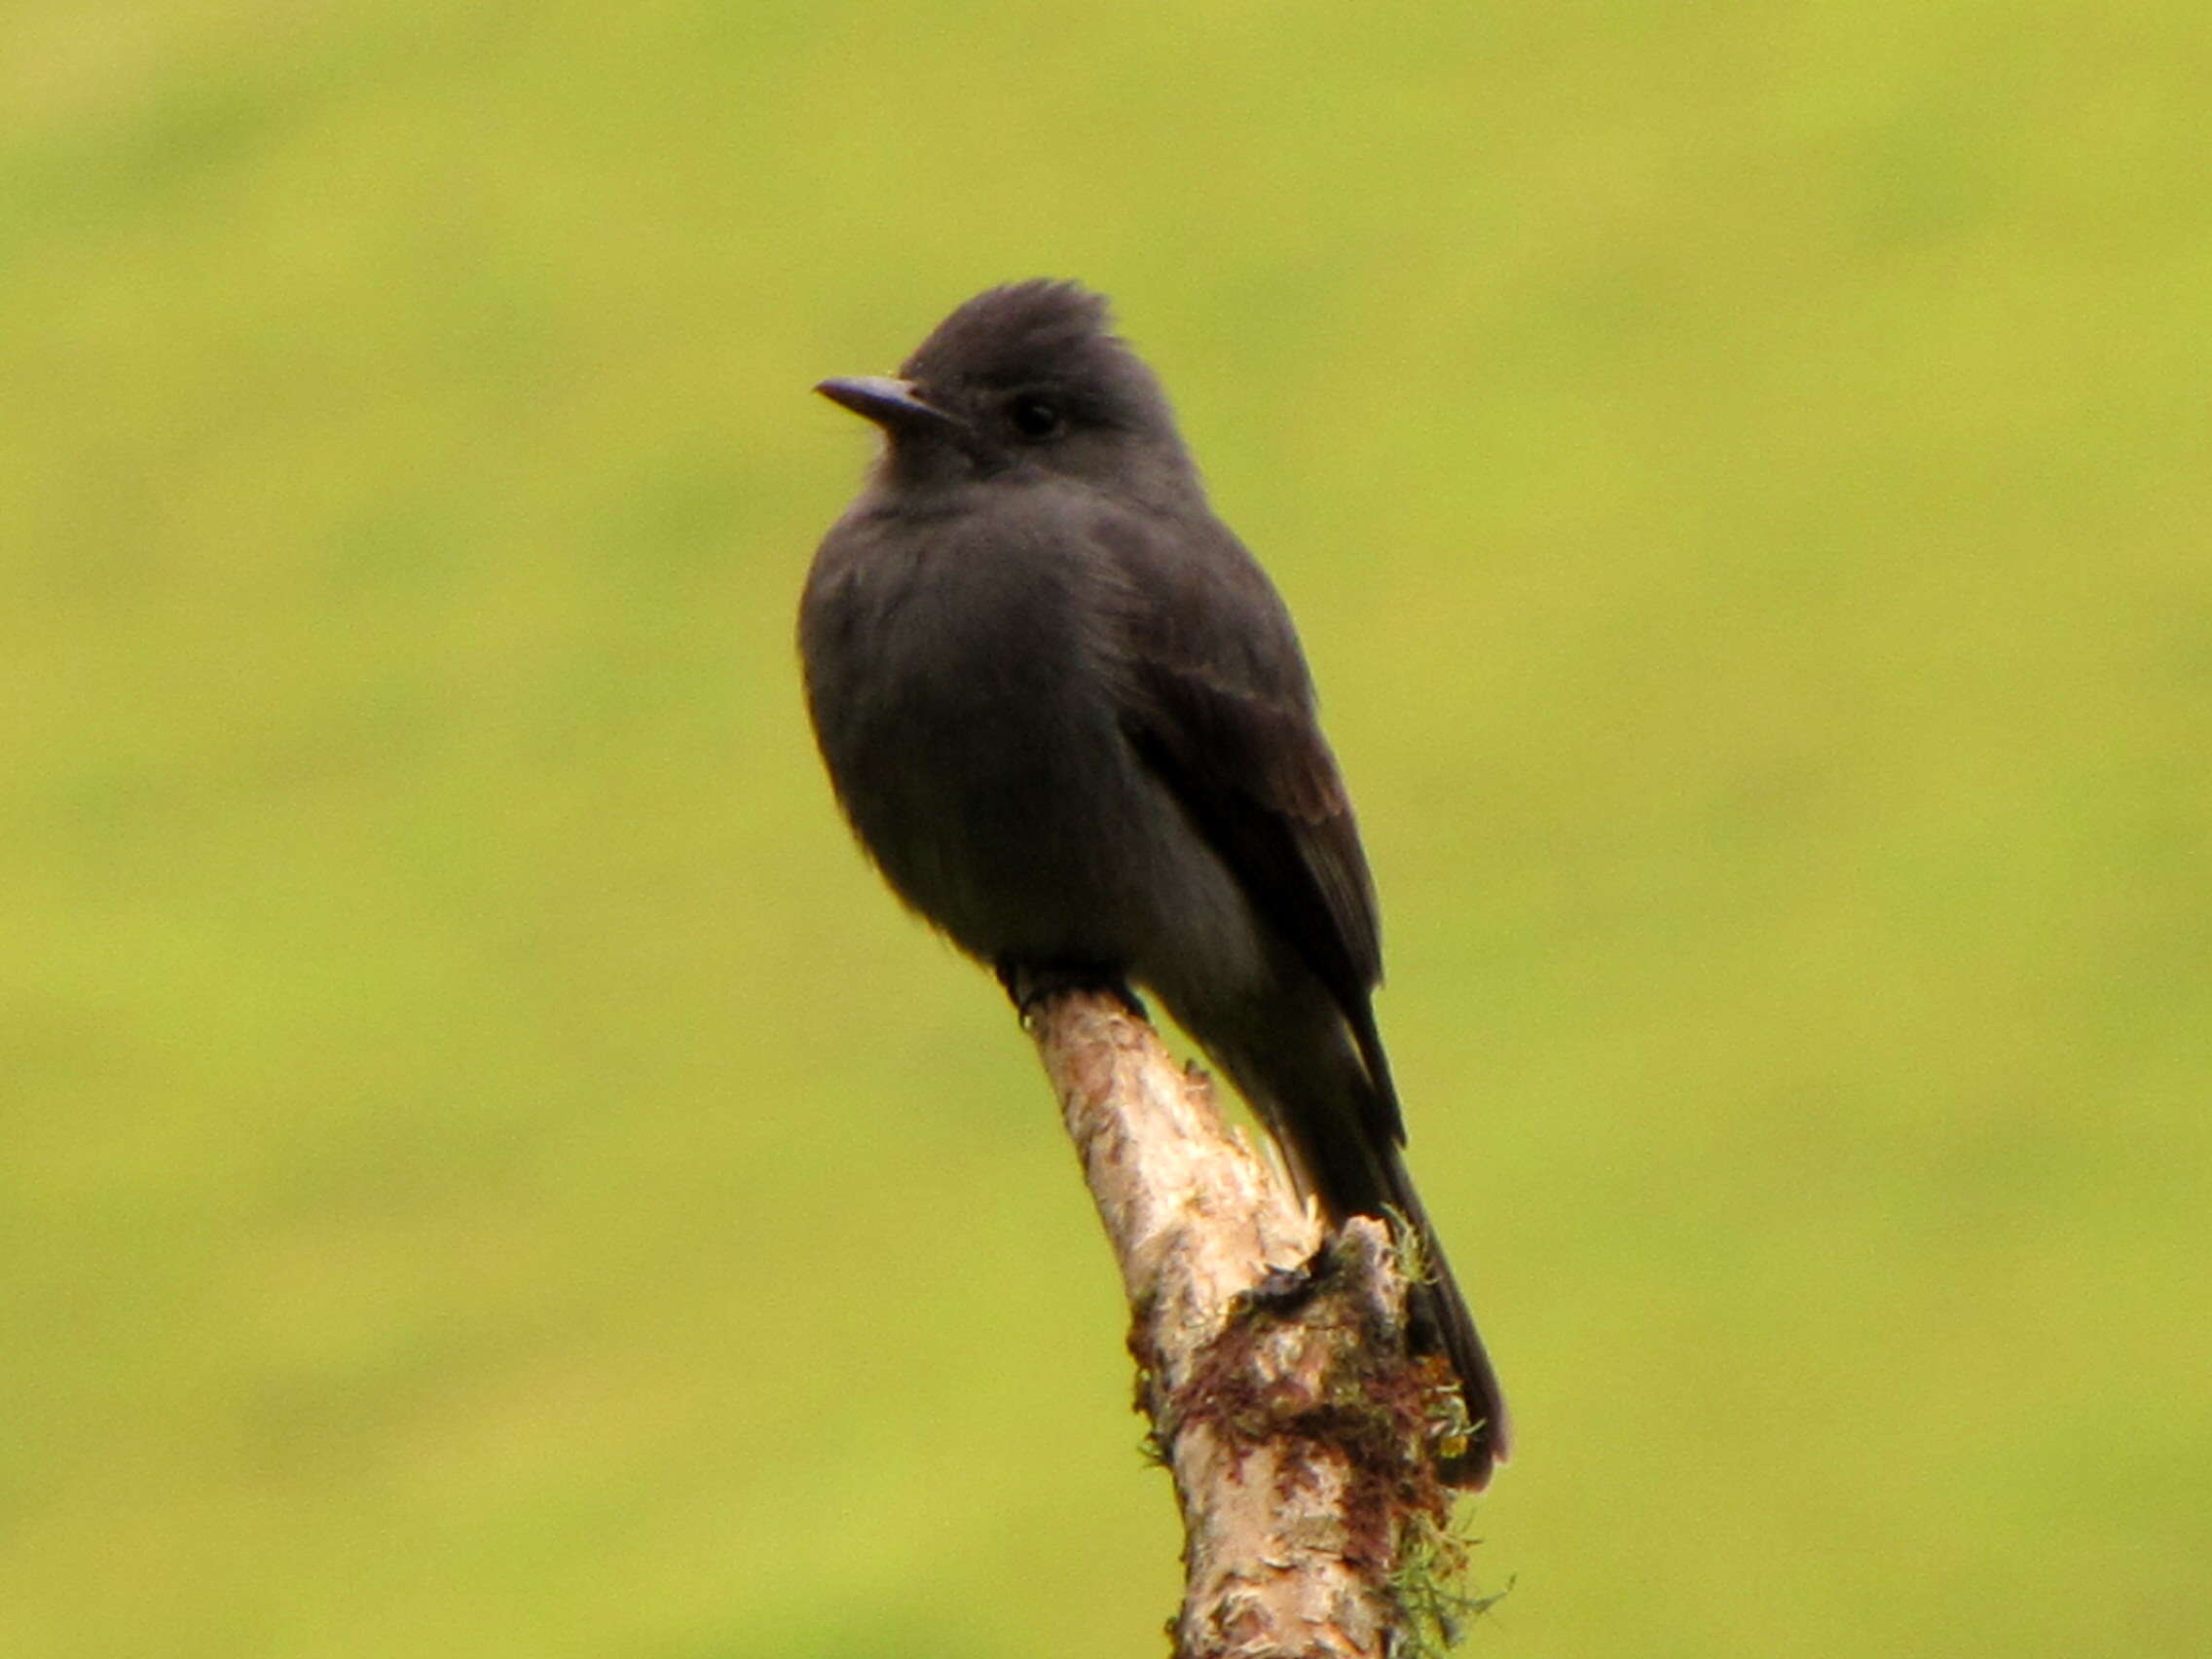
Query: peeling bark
{"points": [[1301, 1434]]}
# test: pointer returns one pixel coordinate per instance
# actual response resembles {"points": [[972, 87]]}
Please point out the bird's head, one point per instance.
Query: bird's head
{"points": [[1027, 380]]}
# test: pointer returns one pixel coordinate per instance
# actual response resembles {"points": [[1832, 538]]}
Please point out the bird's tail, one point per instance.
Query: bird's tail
{"points": [[1440, 1322], [1335, 1114], [1365, 1175]]}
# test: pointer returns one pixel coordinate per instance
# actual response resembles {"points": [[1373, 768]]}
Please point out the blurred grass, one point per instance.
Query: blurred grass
{"points": [[486, 1170]]}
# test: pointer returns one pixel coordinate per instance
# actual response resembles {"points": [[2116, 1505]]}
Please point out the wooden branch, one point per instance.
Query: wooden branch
{"points": [[1301, 1435]]}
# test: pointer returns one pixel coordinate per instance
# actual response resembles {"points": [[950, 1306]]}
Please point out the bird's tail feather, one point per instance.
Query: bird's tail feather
{"points": [[1350, 1163], [1439, 1315]]}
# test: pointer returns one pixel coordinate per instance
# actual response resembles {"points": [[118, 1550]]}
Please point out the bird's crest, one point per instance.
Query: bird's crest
{"points": [[1020, 332]]}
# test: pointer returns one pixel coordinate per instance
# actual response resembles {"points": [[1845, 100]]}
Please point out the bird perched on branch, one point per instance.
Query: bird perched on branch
{"points": [[1067, 714]]}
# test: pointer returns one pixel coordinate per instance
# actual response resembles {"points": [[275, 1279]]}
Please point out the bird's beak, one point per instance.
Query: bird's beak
{"points": [[894, 405]]}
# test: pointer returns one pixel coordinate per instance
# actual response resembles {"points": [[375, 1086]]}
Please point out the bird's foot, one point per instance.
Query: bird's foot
{"points": [[1030, 986]]}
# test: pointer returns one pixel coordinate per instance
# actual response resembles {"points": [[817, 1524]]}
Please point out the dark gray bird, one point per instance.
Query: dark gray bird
{"points": [[1067, 714]]}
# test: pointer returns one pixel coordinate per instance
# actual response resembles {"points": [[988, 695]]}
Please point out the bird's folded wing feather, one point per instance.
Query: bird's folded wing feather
{"points": [[1220, 704]]}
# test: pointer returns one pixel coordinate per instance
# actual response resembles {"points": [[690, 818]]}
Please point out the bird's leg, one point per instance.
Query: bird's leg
{"points": [[1029, 984]]}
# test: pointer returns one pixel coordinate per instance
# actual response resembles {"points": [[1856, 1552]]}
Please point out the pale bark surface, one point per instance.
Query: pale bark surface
{"points": [[1300, 1433]]}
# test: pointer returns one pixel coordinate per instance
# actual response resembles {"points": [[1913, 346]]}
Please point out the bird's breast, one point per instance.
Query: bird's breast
{"points": [[963, 689]]}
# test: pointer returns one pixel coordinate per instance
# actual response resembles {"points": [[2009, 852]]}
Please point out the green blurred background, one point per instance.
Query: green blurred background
{"points": [[484, 1168]]}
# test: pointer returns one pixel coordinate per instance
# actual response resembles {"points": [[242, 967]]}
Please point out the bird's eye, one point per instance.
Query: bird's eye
{"points": [[1035, 418]]}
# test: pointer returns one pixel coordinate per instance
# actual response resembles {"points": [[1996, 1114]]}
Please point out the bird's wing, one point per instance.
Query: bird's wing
{"points": [[1219, 703]]}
